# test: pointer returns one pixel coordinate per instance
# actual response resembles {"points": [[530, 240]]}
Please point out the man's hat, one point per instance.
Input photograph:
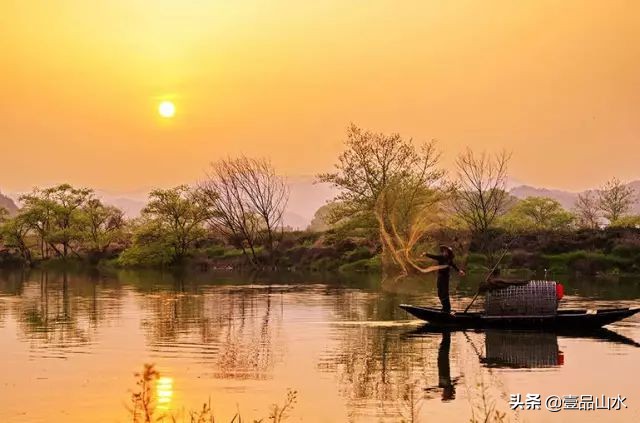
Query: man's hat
{"points": [[449, 250]]}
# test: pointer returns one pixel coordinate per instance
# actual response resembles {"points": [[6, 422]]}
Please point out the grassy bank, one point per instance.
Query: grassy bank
{"points": [[603, 251]]}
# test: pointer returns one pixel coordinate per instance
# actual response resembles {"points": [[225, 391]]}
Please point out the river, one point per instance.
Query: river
{"points": [[71, 341]]}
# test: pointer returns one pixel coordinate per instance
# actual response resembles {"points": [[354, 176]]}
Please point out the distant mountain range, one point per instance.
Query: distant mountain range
{"points": [[7, 203], [567, 198], [305, 197]]}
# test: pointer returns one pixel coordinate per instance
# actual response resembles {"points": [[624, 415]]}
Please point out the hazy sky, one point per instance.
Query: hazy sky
{"points": [[556, 82]]}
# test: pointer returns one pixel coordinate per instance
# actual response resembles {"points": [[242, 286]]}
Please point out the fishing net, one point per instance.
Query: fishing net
{"points": [[406, 213], [495, 284], [534, 298]]}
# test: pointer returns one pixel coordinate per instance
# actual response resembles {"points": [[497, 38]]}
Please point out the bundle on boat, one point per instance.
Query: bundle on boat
{"points": [[520, 298]]}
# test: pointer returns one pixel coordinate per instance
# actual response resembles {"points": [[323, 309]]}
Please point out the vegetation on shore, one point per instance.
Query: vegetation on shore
{"points": [[395, 202]]}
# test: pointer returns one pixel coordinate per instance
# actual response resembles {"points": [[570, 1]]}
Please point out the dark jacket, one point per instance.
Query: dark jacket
{"points": [[443, 274]]}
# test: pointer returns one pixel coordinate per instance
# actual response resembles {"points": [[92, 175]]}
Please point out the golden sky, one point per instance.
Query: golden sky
{"points": [[555, 82]]}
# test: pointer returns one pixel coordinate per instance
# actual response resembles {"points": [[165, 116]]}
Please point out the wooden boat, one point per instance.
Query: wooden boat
{"points": [[579, 319]]}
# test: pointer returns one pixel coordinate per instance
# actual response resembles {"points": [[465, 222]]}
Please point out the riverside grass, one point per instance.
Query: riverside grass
{"points": [[143, 406]]}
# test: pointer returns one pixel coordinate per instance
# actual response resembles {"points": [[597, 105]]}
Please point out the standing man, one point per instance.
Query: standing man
{"points": [[445, 258]]}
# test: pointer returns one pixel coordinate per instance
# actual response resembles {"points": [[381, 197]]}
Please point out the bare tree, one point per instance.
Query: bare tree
{"points": [[587, 210], [266, 192], [228, 211], [615, 199], [480, 191], [247, 201]]}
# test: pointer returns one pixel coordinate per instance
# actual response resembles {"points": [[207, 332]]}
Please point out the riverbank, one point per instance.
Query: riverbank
{"points": [[610, 251]]}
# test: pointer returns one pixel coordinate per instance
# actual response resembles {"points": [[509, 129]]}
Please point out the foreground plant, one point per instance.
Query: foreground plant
{"points": [[143, 406]]}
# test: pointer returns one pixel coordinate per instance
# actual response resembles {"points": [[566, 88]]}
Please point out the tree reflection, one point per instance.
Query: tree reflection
{"points": [[378, 371], [58, 310], [234, 329]]}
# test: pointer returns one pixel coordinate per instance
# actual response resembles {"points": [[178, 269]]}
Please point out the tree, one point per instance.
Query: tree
{"points": [[56, 215], [266, 193], [246, 199], [630, 221], [177, 214], [480, 191], [615, 199], [37, 212], [14, 233], [587, 210], [372, 170], [371, 161], [320, 221], [537, 213], [104, 224], [229, 211], [68, 224]]}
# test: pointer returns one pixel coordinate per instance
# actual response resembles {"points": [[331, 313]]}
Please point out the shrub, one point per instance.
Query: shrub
{"points": [[234, 252], [324, 263], [477, 259], [372, 264], [146, 255], [359, 253], [216, 251], [587, 262], [626, 250]]}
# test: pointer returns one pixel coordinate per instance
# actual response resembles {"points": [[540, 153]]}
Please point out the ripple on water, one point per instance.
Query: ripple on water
{"points": [[348, 348]]}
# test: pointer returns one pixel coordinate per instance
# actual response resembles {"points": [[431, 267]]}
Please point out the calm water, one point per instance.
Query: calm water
{"points": [[70, 343]]}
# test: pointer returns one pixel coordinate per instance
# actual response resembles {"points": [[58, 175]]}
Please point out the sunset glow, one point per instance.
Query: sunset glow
{"points": [[550, 81], [319, 211]]}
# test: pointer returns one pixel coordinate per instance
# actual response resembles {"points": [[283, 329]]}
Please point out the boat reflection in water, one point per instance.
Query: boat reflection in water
{"points": [[529, 350], [505, 349]]}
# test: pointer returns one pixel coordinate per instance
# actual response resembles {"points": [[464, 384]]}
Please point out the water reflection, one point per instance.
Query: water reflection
{"points": [[514, 349], [345, 342], [59, 311], [164, 392], [236, 332], [377, 372], [444, 369], [530, 350]]}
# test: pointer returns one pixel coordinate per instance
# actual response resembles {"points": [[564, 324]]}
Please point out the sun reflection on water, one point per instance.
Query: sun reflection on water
{"points": [[164, 392]]}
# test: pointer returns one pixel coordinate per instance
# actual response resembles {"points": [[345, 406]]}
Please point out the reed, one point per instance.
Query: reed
{"points": [[143, 405]]}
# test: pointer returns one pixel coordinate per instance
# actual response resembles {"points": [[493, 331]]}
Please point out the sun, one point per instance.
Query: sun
{"points": [[167, 109]]}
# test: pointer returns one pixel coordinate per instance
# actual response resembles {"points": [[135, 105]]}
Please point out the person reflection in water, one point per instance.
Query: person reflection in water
{"points": [[444, 369], [444, 259]]}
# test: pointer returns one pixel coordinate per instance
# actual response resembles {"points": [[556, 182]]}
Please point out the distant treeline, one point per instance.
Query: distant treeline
{"points": [[395, 202]]}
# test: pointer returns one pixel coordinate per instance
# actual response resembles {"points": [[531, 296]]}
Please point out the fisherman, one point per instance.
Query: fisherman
{"points": [[445, 259]]}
